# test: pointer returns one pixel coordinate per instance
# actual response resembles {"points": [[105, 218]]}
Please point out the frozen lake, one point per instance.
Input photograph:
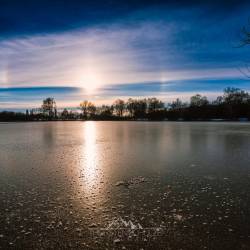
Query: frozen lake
{"points": [[124, 185]]}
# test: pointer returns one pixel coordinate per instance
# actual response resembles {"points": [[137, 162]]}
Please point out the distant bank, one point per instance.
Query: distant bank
{"points": [[233, 105]]}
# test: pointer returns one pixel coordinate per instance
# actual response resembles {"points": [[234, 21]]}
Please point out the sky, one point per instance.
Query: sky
{"points": [[103, 50]]}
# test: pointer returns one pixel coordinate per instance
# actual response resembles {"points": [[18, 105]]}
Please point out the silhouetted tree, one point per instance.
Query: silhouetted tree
{"points": [[176, 110], [137, 108], [245, 40], [131, 107], [198, 101], [88, 108], [177, 104], [119, 107], [219, 101], [49, 108], [234, 96], [65, 114], [155, 109], [106, 111], [245, 35], [236, 102], [91, 109], [12, 116], [154, 104], [84, 107], [233, 105], [140, 108]]}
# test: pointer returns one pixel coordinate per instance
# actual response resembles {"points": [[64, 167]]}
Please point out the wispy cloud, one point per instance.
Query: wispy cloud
{"points": [[151, 47]]}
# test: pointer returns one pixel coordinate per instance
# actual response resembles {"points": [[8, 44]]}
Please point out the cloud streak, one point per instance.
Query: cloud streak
{"points": [[149, 47]]}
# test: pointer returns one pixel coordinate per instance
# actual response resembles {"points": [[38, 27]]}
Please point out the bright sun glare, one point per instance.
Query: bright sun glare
{"points": [[91, 80]]}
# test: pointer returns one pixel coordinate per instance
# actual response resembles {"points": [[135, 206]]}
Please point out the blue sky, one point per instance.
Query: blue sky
{"points": [[103, 50]]}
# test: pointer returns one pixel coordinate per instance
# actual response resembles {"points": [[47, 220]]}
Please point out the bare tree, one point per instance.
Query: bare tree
{"points": [[245, 40], [198, 101], [245, 33], [154, 104], [119, 106], [88, 108], [49, 107]]}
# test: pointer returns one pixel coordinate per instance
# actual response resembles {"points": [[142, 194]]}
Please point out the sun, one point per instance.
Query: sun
{"points": [[91, 83], [91, 80]]}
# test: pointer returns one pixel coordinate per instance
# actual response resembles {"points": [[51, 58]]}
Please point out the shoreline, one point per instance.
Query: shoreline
{"points": [[178, 121]]}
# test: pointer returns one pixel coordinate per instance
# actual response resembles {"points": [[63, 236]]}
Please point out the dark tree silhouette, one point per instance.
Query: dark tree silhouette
{"points": [[88, 109], [245, 35], [119, 107], [154, 104], [234, 104], [106, 111], [65, 114], [49, 108], [137, 108], [198, 101]]}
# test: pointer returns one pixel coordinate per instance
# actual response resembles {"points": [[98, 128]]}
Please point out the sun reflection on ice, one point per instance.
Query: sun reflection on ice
{"points": [[91, 166], [90, 170]]}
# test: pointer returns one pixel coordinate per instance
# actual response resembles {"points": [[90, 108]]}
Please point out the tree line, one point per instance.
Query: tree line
{"points": [[234, 104]]}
